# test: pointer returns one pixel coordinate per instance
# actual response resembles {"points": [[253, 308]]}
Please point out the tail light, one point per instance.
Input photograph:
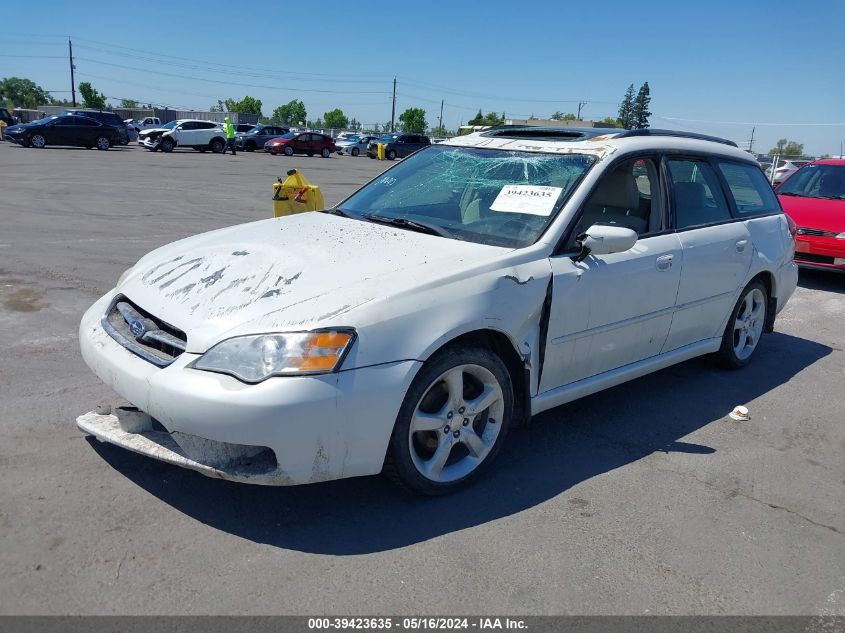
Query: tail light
{"points": [[793, 228]]}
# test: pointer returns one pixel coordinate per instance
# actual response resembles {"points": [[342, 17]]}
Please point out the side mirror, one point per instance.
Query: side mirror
{"points": [[601, 239]]}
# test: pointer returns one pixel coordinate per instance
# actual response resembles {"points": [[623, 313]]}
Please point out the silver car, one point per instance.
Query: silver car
{"points": [[354, 145]]}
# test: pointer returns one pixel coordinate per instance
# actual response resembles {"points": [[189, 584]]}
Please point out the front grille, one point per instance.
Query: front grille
{"points": [[142, 334], [803, 230], [816, 259]]}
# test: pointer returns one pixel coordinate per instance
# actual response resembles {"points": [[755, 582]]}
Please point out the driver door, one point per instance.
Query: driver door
{"points": [[609, 311]]}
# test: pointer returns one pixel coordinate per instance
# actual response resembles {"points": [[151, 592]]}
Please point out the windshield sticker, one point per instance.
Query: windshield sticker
{"points": [[531, 199]]}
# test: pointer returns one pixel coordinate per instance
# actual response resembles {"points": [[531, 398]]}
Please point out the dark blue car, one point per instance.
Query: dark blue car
{"points": [[77, 131]]}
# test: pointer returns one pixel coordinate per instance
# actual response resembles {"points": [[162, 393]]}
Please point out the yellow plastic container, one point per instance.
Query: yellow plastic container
{"points": [[296, 195], [380, 147], [2, 129]]}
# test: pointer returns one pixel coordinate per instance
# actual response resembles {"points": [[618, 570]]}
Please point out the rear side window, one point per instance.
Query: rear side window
{"points": [[751, 192], [697, 194]]}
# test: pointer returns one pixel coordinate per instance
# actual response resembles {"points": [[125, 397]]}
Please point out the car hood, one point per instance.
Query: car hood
{"points": [[285, 274], [815, 213]]}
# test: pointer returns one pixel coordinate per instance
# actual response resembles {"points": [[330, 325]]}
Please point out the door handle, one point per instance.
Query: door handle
{"points": [[664, 262], [740, 245]]}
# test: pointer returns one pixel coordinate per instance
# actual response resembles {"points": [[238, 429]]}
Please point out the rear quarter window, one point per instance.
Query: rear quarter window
{"points": [[749, 188]]}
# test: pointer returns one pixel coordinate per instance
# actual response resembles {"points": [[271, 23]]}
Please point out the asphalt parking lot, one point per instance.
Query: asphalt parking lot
{"points": [[643, 499]]}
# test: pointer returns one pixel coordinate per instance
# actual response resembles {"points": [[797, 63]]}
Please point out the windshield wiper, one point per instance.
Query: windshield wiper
{"points": [[412, 225], [336, 211]]}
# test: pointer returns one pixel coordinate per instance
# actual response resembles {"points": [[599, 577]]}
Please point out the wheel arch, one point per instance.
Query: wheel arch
{"points": [[770, 283], [504, 348]]}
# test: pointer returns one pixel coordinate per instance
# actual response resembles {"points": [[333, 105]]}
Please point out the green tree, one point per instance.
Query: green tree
{"points": [[22, 93], [292, 113], [561, 116], [387, 127], [641, 112], [609, 121], [247, 105], [441, 130], [626, 109], [336, 119], [128, 103], [491, 118], [90, 97], [413, 120], [785, 147]]}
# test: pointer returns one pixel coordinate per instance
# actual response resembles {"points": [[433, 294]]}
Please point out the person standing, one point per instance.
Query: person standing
{"points": [[230, 136]]}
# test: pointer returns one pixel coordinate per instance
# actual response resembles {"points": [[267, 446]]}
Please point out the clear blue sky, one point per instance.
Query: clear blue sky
{"points": [[717, 67]]}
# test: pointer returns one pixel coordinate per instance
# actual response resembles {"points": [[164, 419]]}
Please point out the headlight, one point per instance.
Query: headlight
{"points": [[256, 358]]}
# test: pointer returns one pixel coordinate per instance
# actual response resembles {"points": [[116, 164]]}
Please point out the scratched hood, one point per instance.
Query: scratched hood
{"points": [[286, 274]]}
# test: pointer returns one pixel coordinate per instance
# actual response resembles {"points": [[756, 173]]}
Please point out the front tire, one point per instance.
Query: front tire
{"points": [[453, 421], [217, 145], [37, 141], [745, 327], [355, 151], [167, 145], [250, 147], [288, 151]]}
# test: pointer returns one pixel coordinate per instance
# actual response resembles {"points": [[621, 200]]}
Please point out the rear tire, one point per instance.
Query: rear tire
{"points": [[167, 145], [745, 327], [391, 155], [453, 421], [103, 143], [325, 153]]}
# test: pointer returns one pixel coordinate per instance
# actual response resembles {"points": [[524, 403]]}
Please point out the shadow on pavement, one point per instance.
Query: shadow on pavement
{"points": [[821, 280], [556, 451]]}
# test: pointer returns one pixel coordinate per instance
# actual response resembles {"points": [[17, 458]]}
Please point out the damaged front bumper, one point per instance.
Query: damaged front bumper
{"points": [[314, 428]]}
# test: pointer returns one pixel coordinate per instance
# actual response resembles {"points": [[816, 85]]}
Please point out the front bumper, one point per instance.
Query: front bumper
{"points": [[151, 144], [318, 427], [820, 253]]}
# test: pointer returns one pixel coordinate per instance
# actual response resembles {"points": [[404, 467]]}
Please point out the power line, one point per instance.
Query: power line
{"points": [[228, 83]]}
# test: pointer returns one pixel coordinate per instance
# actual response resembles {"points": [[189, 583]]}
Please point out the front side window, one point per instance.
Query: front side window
{"points": [[497, 197], [697, 194], [628, 196], [751, 192]]}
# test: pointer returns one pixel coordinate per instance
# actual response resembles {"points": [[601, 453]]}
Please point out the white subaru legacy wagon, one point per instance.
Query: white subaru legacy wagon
{"points": [[476, 283]]}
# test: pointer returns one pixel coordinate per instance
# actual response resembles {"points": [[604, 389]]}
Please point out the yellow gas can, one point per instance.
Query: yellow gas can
{"points": [[2, 129], [296, 195], [380, 151]]}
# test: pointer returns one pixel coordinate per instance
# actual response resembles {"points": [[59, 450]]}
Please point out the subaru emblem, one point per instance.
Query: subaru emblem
{"points": [[137, 328]]}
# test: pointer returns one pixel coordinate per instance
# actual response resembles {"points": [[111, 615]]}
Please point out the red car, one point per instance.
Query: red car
{"points": [[301, 143], [814, 197]]}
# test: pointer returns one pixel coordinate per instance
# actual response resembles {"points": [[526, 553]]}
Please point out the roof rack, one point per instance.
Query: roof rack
{"points": [[545, 133], [656, 132]]}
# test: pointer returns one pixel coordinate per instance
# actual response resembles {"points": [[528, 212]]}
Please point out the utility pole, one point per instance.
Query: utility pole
{"points": [[581, 104], [393, 109], [751, 142], [440, 123], [72, 82]]}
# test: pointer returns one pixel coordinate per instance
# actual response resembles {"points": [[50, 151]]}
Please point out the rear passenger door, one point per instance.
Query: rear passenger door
{"points": [[717, 251], [87, 130]]}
